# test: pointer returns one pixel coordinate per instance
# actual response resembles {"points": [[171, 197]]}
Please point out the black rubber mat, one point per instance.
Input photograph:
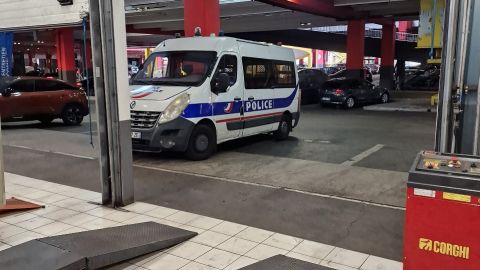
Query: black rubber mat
{"points": [[92, 249], [281, 262]]}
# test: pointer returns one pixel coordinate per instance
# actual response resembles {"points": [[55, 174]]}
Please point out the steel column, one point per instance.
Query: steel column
{"points": [[107, 23]]}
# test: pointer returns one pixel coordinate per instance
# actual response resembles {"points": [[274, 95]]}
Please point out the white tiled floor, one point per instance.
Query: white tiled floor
{"points": [[219, 245]]}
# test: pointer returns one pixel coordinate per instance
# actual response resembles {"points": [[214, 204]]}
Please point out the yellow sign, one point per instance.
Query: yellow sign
{"points": [[457, 197], [444, 248], [426, 27]]}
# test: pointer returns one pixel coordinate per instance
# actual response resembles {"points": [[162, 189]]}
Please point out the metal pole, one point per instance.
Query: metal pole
{"points": [[2, 175], [110, 62], [444, 117]]}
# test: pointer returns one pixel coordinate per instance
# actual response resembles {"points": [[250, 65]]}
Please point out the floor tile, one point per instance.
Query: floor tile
{"points": [[313, 249], [140, 207], [205, 223], [197, 266], [123, 266], [141, 219], [182, 217], [140, 261], [346, 257], [303, 257], [120, 216], [237, 245], [254, 234], [52, 198], [282, 241], [166, 262], [17, 218], [161, 212], [240, 263], [72, 230], [376, 263], [61, 214], [99, 223], [22, 238], [211, 239], [79, 219], [262, 252], [190, 228], [189, 250], [337, 266], [52, 228], [229, 228], [100, 211], [10, 230], [217, 258], [4, 246], [35, 223]]}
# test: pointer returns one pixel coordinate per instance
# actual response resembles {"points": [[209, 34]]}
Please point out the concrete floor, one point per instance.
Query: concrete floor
{"points": [[306, 186]]}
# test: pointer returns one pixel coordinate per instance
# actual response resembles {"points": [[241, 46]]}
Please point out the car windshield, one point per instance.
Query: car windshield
{"points": [[182, 68]]}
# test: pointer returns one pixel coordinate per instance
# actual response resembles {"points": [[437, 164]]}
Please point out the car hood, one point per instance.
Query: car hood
{"points": [[155, 92]]}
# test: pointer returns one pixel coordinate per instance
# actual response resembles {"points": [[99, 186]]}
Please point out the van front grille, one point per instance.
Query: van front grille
{"points": [[144, 119]]}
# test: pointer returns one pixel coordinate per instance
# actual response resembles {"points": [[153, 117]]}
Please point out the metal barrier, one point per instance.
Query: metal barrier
{"points": [[370, 33]]}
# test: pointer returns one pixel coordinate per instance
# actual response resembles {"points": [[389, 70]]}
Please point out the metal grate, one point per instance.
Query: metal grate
{"points": [[144, 119]]}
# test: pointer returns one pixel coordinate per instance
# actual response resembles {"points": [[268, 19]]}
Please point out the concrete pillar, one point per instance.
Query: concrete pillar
{"points": [[355, 49], [204, 14], [66, 55], [400, 73], [387, 69]]}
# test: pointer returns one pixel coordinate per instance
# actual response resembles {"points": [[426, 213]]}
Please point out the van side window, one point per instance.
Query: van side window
{"points": [[257, 73], [228, 64], [284, 74]]}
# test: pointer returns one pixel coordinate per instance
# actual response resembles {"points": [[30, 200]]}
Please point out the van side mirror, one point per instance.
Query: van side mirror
{"points": [[220, 83]]}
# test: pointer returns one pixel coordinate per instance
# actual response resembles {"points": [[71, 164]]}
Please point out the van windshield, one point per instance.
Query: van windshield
{"points": [[182, 68]]}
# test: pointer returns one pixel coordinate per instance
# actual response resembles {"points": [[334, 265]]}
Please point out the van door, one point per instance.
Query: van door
{"points": [[259, 96], [227, 107], [285, 87]]}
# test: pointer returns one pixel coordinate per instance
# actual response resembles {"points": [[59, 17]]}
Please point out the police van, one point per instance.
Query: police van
{"points": [[194, 93]]}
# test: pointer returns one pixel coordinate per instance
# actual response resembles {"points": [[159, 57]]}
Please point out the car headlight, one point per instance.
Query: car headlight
{"points": [[175, 108]]}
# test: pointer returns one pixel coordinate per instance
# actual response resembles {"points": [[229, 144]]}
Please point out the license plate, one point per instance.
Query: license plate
{"points": [[136, 135], [325, 99]]}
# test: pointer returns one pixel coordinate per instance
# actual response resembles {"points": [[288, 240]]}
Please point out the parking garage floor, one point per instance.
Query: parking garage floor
{"points": [[339, 179]]}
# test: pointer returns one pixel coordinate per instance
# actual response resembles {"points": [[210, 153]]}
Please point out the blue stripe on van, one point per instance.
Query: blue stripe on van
{"points": [[221, 108]]}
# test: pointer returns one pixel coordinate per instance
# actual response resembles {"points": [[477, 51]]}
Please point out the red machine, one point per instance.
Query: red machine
{"points": [[442, 229]]}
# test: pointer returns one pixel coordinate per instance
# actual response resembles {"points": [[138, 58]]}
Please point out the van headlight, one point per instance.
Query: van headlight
{"points": [[175, 108]]}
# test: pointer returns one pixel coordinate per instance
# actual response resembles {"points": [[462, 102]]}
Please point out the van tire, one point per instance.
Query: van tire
{"points": [[284, 128], [202, 143], [72, 115]]}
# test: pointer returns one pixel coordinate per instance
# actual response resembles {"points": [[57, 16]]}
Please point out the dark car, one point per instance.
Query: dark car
{"points": [[343, 73], [88, 85], [350, 92], [427, 78], [311, 81], [43, 99]]}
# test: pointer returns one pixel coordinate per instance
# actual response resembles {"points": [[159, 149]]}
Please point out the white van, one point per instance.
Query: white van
{"points": [[194, 93]]}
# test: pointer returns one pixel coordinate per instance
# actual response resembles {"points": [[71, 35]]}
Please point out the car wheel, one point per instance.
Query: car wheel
{"points": [[46, 121], [202, 143], [284, 128], [72, 115], [349, 103], [385, 98]]}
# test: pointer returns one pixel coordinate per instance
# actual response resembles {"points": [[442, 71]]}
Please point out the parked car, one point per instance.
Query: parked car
{"points": [[310, 81], [427, 78], [88, 85], [350, 92], [34, 98], [343, 74]]}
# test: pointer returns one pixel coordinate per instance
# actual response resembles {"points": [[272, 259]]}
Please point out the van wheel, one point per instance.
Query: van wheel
{"points": [[284, 128], [202, 144], [72, 115]]}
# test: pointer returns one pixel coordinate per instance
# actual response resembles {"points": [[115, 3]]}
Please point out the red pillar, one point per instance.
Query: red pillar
{"points": [[201, 13], [387, 69], [66, 54], [314, 58], [355, 49], [89, 55]]}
